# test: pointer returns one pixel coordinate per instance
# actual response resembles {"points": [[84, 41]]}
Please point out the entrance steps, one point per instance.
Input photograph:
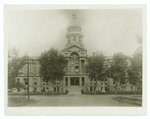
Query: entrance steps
{"points": [[74, 90]]}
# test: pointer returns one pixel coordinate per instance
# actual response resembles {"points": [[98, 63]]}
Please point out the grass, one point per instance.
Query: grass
{"points": [[37, 93], [18, 101], [113, 92], [132, 100]]}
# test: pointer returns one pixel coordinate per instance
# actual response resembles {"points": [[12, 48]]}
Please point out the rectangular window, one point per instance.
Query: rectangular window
{"points": [[82, 62], [72, 69], [26, 83], [35, 69], [34, 89], [47, 88], [18, 79], [35, 81], [43, 82], [43, 89]]}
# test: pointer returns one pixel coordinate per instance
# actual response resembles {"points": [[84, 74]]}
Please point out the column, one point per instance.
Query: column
{"points": [[80, 65], [68, 81], [68, 65], [80, 81]]}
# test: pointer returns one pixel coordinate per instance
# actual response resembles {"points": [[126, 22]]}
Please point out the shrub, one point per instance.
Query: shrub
{"points": [[67, 91]]}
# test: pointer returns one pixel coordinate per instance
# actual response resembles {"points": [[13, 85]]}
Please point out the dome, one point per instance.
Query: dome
{"points": [[74, 22]]}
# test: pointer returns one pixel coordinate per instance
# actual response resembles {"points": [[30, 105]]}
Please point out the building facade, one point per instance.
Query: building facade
{"points": [[76, 55], [75, 78]]}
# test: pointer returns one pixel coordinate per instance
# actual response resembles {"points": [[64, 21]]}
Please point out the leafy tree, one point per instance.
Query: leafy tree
{"points": [[15, 64], [135, 72], [95, 67], [118, 69], [19, 86], [52, 64]]}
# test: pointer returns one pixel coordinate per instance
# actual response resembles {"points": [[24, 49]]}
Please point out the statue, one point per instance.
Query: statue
{"points": [[103, 88]]}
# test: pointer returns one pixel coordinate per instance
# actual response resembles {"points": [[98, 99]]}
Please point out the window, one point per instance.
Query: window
{"points": [[47, 88], [72, 69], [18, 80], [43, 90], [82, 62], [34, 89], [35, 81], [26, 81], [77, 69], [35, 69]]}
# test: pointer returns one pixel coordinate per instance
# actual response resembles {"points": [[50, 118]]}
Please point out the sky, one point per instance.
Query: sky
{"points": [[107, 30]]}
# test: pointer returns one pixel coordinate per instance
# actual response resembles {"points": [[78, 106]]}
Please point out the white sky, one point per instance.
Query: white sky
{"points": [[107, 30]]}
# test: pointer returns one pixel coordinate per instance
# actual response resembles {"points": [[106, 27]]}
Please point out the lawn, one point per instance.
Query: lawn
{"points": [[18, 101]]}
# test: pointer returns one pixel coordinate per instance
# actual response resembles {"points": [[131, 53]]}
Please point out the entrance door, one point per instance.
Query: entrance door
{"points": [[74, 80]]}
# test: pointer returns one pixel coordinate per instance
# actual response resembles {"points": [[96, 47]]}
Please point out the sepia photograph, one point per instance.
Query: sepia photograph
{"points": [[75, 56]]}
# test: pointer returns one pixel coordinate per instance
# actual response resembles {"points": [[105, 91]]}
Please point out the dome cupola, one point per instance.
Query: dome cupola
{"points": [[74, 22], [74, 32]]}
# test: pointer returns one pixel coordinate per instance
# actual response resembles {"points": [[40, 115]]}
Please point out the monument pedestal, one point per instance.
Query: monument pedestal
{"points": [[103, 88]]}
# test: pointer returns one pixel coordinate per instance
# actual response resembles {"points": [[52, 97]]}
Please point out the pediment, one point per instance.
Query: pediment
{"points": [[74, 48]]}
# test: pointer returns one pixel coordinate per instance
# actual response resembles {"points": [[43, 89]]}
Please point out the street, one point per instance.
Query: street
{"points": [[77, 100]]}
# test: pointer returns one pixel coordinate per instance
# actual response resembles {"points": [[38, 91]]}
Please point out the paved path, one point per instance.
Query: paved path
{"points": [[76, 100]]}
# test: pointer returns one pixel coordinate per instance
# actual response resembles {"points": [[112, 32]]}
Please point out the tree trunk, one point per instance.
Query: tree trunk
{"points": [[116, 87], [135, 90], [92, 86], [95, 86], [53, 88]]}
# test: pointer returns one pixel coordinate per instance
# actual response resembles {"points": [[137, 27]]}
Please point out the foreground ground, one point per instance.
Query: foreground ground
{"points": [[70, 100]]}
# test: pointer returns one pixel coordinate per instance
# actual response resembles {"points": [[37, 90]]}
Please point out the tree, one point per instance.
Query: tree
{"points": [[52, 64], [19, 86], [95, 67], [15, 64], [118, 69], [135, 72]]}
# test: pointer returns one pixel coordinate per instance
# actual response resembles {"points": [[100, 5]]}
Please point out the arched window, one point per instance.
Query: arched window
{"points": [[74, 55]]}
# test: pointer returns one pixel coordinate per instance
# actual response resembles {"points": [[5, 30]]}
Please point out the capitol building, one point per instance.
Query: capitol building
{"points": [[75, 78]]}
